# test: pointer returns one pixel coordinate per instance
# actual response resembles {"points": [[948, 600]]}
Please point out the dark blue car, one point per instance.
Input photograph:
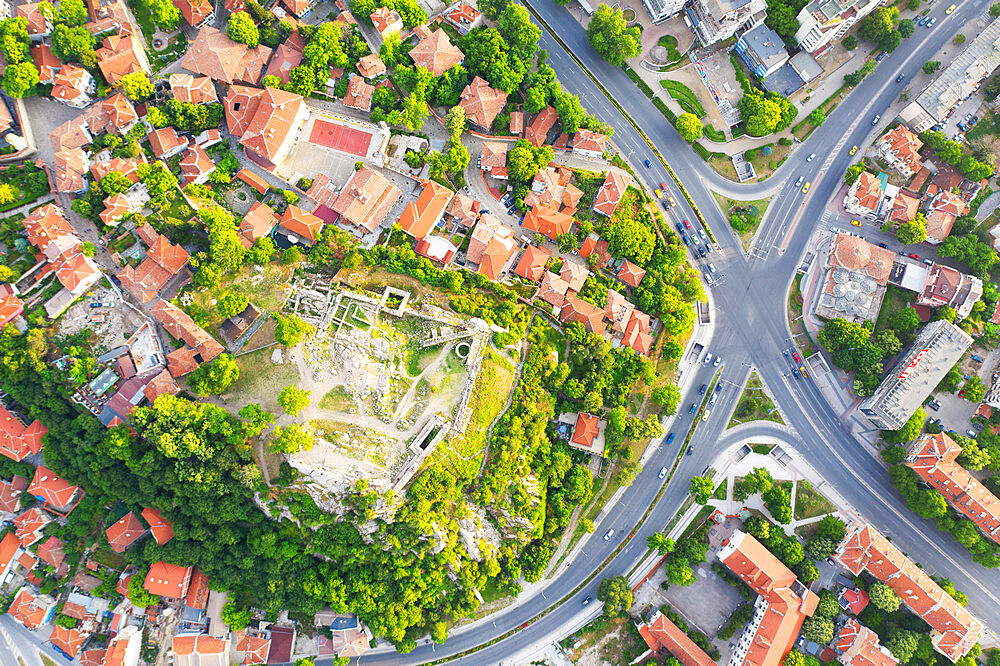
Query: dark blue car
{"points": [[648, 165]]}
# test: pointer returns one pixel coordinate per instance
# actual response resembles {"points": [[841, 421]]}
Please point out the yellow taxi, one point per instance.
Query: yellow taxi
{"points": [[659, 194], [707, 412], [854, 150], [805, 188], [950, 10], [856, 223], [802, 369]]}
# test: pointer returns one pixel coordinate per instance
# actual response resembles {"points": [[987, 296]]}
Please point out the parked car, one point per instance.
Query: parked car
{"points": [[876, 119], [689, 451], [923, 21], [687, 241], [928, 262], [704, 236], [913, 255], [708, 358], [701, 391], [659, 194], [977, 359], [879, 57], [795, 371], [930, 24], [670, 200], [883, 245], [663, 186], [701, 252]]}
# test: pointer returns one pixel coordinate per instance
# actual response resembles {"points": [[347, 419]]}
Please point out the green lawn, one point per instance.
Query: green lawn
{"points": [[684, 96], [810, 503], [755, 404], [142, 16], [896, 299], [337, 399], [720, 492], [730, 207]]}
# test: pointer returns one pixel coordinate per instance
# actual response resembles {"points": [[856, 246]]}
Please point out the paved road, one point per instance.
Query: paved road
{"points": [[750, 295]]}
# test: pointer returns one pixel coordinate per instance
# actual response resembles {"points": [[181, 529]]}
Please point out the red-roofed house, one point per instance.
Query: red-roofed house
{"points": [[549, 220], [251, 649], [197, 594], [365, 201], [435, 52], [51, 552], [864, 195], [32, 610], [464, 209], [163, 261], [856, 599], [637, 336], [74, 86], [662, 634], [304, 226], [10, 495], [387, 21], [213, 54], [11, 305], [121, 55], [419, 217], [553, 289], [124, 532], [531, 266], [196, 12], [371, 66], [945, 209], [482, 103], [193, 89], [590, 144], [57, 494], [610, 194], [165, 142], [787, 602], [9, 547], [93, 657], [630, 274], [257, 223], [464, 17], [359, 94], [904, 208], [585, 432], [497, 254], [575, 274], [201, 650], [46, 62], [857, 645], [68, 641], [181, 327], [196, 165], [436, 248], [901, 149], [162, 383], [123, 649], [18, 441], [578, 310], [28, 526], [493, 158], [38, 23], [538, 131], [266, 121], [168, 580]]}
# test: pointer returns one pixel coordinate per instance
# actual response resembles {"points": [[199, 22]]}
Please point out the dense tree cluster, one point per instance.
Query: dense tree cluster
{"points": [[765, 112], [611, 37], [185, 116], [956, 154], [880, 28], [854, 349]]}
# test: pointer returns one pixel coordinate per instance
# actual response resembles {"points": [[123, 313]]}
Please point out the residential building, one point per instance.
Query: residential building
{"points": [[904, 208], [114, 114], [463, 16], [661, 10], [180, 326], [68, 641], [51, 553], [32, 610], [589, 144], [124, 649], [580, 311], [953, 629], [10, 498], [251, 649], [299, 226], [662, 634], [124, 532], [552, 186], [71, 135], [857, 645], [548, 220], [257, 223], [365, 201], [163, 261], [821, 22], [933, 458], [121, 55], [762, 50], [631, 274], [386, 21], [419, 217], [11, 305], [783, 603], [865, 196], [197, 594], [200, 650], [266, 121], [434, 51], [38, 24], [482, 103], [46, 62], [56, 494], [493, 159], [168, 580], [498, 253], [17, 440], [610, 194], [29, 525], [193, 89], [553, 289], [532, 263], [162, 530], [166, 143], [637, 334], [213, 54], [718, 20], [196, 165], [945, 208], [160, 384], [938, 347], [901, 149], [74, 86], [538, 131], [359, 94], [947, 286], [464, 210], [952, 85], [436, 248], [196, 12], [371, 66], [588, 434], [575, 274]]}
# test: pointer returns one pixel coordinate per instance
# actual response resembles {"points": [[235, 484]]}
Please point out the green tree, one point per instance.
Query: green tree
{"points": [[290, 330], [88, 249], [164, 13], [959, 38], [616, 594], [914, 231], [137, 86], [904, 321], [454, 120], [631, 238], [820, 548], [291, 439], [702, 488], [611, 37], [689, 127], [242, 29], [778, 503], [72, 12], [906, 28], [831, 527], [7, 193], [852, 173], [903, 643], [660, 543], [302, 80], [215, 377], [520, 33], [974, 390], [995, 9], [74, 44], [818, 630], [931, 66], [138, 594], [817, 117], [667, 396], [293, 400], [236, 618], [255, 419], [677, 569], [19, 78], [884, 597], [233, 303], [951, 380], [114, 183], [439, 632]]}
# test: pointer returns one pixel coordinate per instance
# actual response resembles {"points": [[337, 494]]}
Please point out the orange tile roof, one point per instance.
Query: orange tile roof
{"points": [[51, 552], [553, 289], [27, 561], [181, 327], [195, 164], [904, 208], [496, 254], [68, 640], [858, 645], [197, 595], [45, 224], [124, 532], [167, 580], [10, 494], [939, 225], [11, 306], [28, 526], [905, 145], [575, 274], [585, 140], [864, 549], [579, 310], [370, 66], [189, 644], [366, 198], [257, 223], [359, 94], [494, 155], [194, 11], [37, 23], [867, 190], [165, 140], [531, 265], [120, 56], [162, 383], [386, 20], [302, 224], [662, 634], [618, 310], [487, 227], [76, 270], [540, 126], [29, 610], [858, 255], [637, 336], [419, 217], [93, 657], [128, 167], [161, 528], [182, 361], [435, 52], [610, 194], [482, 103], [263, 119], [516, 123], [631, 274], [70, 83], [18, 441], [115, 207], [933, 458], [54, 491], [253, 180], [193, 89], [548, 220], [71, 134], [465, 209], [8, 548], [70, 170], [213, 54], [587, 428], [254, 648], [118, 111]]}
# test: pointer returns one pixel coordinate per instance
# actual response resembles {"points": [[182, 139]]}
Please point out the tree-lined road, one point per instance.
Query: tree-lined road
{"points": [[751, 329]]}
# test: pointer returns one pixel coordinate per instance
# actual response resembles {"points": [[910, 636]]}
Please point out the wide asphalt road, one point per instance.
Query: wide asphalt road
{"points": [[751, 328]]}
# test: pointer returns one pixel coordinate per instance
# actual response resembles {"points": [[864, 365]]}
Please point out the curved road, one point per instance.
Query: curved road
{"points": [[751, 330]]}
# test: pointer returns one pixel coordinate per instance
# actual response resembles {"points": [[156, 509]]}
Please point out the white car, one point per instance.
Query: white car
{"points": [[708, 358], [799, 182], [811, 157], [611, 533], [663, 472], [718, 359]]}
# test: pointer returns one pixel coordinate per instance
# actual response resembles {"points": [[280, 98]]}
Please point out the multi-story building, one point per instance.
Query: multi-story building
{"points": [[762, 50], [937, 349], [661, 10], [823, 21], [717, 20]]}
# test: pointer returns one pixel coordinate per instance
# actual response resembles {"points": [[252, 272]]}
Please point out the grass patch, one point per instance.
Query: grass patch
{"points": [[607, 640], [746, 209], [419, 358], [337, 399], [720, 492], [261, 381], [721, 164], [46, 660], [805, 128], [810, 503], [896, 299], [669, 42], [684, 96], [265, 286], [755, 404], [765, 165], [142, 16], [762, 449], [795, 321], [328, 428], [713, 134]]}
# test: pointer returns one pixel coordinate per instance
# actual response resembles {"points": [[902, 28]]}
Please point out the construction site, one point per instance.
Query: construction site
{"points": [[391, 380]]}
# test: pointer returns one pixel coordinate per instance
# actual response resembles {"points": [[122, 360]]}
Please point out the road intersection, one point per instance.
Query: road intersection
{"points": [[751, 331]]}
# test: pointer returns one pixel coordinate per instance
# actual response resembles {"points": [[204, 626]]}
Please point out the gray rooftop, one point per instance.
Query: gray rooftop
{"points": [[956, 81], [766, 45]]}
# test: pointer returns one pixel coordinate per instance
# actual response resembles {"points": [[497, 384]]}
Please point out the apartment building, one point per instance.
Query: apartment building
{"points": [[823, 21]]}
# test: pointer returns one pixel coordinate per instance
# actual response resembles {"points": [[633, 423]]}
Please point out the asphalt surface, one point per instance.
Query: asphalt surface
{"points": [[750, 294]]}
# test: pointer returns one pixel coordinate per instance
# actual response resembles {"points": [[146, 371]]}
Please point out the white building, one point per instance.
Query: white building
{"points": [[823, 21], [718, 20]]}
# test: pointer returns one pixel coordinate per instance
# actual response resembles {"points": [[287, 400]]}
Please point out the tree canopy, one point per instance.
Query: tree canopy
{"points": [[611, 37]]}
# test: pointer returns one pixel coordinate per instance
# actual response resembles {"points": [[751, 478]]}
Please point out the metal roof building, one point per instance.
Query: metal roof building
{"points": [[938, 347]]}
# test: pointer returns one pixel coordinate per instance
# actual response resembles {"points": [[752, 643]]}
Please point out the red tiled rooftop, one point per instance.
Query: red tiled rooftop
{"points": [[124, 532], [162, 530]]}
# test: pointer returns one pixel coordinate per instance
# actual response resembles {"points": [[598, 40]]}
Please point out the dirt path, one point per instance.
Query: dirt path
{"points": [[406, 402]]}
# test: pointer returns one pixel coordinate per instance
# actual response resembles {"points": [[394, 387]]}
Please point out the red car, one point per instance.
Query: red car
{"points": [[795, 355], [663, 186], [914, 256], [687, 224]]}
